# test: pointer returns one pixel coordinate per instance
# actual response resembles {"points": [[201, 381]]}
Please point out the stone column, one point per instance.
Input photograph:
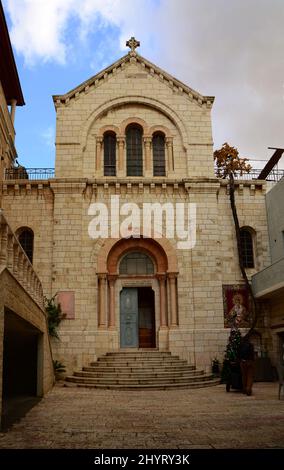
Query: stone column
{"points": [[99, 141], [147, 151], [169, 144], [13, 110], [121, 144], [163, 303], [111, 318], [173, 299], [102, 303]]}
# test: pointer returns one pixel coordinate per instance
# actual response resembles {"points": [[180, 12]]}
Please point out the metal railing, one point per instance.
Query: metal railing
{"points": [[274, 175], [22, 173]]}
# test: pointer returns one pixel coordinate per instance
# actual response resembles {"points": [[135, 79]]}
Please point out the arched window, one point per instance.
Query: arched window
{"points": [[109, 154], [159, 163], [134, 152], [26, 239], [136, 262], [247, 248]]}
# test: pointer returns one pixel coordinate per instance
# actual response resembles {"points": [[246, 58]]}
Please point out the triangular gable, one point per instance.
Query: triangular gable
{"points": [[150, 68]]}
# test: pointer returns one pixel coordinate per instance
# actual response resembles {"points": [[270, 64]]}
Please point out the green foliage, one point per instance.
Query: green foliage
{"points": [[231, 353], [58, 367], [233, 345], [54, 316]]}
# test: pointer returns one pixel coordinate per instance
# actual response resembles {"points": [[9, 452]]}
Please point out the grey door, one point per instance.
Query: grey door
{"points": [[129, 318]]}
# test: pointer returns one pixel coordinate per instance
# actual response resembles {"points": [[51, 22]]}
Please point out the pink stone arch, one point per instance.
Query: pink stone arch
{"points": [[161, 250]]}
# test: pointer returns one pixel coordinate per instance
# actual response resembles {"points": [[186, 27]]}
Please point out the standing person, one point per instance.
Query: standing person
{"points": [[246, 356]]}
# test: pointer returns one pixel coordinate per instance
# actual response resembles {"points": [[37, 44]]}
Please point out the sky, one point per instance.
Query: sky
{"points": [[233, 50]]}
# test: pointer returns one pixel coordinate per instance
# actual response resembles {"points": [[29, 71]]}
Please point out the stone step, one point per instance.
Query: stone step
{"points": [[168, 386], [110, 368], [140, 354], [135, 358], [133, 362], [138, 374], [146, 370], [134, 381]]}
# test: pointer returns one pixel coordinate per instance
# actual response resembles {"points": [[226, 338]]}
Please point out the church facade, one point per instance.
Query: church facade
{"points": [[134, 234]]}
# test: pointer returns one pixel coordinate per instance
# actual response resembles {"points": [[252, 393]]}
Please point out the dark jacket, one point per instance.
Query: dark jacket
{"points": [[246, 351]]}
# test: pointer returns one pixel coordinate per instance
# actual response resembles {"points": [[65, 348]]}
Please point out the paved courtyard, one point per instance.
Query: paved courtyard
{"points": [[105, 419]]}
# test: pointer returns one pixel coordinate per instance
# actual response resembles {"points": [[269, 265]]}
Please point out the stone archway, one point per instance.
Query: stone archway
{"points": [[165, 275]]}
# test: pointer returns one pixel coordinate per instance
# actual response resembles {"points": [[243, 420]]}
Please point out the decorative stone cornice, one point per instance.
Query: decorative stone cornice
{"points": [[152, 69], [240, 184]]}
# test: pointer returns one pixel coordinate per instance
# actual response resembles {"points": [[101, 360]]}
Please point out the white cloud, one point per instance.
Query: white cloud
{"points": [[48, 136], [233, 50], [39, 27]]}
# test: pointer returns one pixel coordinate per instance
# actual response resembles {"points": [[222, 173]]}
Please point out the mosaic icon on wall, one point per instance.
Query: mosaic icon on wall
{"points": [[237, 306]]}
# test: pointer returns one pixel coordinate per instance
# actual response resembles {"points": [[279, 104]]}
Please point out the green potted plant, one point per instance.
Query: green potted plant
{"points": [[59, 369]]}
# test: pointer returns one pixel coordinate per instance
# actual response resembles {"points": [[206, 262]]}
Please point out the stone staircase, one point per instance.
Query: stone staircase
{"points": [[140, 370]]}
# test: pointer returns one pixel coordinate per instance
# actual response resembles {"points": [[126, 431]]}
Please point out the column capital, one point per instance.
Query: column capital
{"points": [[102, 275], [172, 275], [120, 139], [147, 139], [112, 277], [161, 276], [169, 140], [99, 139]]}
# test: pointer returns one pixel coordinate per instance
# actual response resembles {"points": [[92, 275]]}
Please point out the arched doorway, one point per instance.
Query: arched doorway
{"points": [[137, 304], [137, 290]]}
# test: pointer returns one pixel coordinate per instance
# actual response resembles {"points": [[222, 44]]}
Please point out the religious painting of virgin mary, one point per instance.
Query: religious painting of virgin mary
{"points": [[237, 306]]}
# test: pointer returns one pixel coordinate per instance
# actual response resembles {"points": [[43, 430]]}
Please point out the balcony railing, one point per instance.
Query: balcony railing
{"points": [[275, 175], [14, 258], [22, 173]]}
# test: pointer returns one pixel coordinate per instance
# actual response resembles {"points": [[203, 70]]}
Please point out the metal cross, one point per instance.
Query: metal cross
{"points": [[132, 43]]}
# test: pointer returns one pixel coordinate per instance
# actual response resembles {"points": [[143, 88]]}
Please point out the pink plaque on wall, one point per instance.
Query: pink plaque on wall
{"points": [[67, 301]]}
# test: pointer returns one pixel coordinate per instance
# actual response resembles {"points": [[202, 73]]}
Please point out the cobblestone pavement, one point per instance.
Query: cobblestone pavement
{"points": [[105, 419]]}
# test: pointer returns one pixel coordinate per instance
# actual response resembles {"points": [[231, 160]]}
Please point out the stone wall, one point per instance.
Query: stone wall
{"points": [[7, 136], [65, 256], [131, 92]]}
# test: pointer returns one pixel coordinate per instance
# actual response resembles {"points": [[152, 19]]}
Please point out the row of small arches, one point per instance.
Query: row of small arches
{"points": [[139, 263], [134, 152]]}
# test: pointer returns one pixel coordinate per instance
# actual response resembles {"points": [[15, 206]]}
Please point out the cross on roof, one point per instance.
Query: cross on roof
{"points": [[132, 43]]}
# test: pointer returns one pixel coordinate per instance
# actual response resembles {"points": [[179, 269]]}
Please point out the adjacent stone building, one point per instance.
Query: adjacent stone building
{"points": [[133, 134], [268, 284], [26, 367]]}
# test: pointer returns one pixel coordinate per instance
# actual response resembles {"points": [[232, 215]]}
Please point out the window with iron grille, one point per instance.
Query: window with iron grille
{"points": [[109, 154], [159, 163], [247, 248], [26, 239], [136, 263], [134, 153]]}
